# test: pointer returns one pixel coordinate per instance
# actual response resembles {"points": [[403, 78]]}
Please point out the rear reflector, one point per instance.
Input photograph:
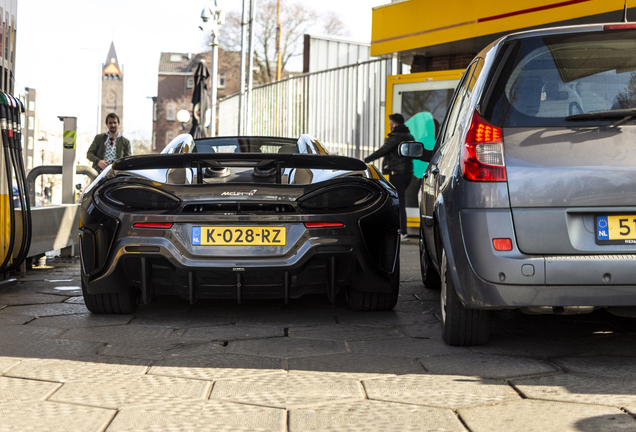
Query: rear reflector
{"points": [[323, 224], [161, 225], [624, 26], [502, 244], [482, 155]]}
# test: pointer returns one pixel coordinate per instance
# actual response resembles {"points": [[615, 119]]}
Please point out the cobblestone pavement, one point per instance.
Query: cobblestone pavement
{"points": [[309, 366]]}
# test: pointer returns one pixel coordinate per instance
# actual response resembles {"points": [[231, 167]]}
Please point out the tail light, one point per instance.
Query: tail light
{"points": [[482, 155]]}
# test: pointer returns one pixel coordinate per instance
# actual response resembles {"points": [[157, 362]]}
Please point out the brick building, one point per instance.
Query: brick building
{"points": [[175, 87]]}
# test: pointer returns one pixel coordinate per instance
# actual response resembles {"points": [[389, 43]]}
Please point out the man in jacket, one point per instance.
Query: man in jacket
{"points": [[399, 168], [108, 147]]}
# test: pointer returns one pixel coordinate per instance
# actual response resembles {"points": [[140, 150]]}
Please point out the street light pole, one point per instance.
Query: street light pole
{"points": [[213, 16]]}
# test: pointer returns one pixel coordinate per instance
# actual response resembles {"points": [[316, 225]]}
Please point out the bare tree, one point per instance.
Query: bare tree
{"points": [[296, 19], [333, 25]]}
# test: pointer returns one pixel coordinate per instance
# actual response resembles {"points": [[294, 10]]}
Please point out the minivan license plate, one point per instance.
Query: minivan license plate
{"points": [[616, 229], [238, 236]]}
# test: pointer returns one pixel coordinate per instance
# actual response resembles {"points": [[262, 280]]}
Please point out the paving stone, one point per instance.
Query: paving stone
{"points": [[580, 389], [600, 365], [29, 298], [200, 416], [356, 366], [180, 320], [377, 319], [232, 332], [406, 347], [159, 349], [373, 416], [559, 326], [11, 319], [415, 287], [19, 333], [445, 391], [416, 307], [17, 390], [75, 300], [121, 333], [217, 366], [342, 332], [7, 363], [52, 417], [486, 366], [86, 368], [47, 309], [286, 320], [539, 416], [529, 346], [432, 330], [120, 392], [619, 345], [80, 321], [50, 348], [285, 347], [287, 390]]}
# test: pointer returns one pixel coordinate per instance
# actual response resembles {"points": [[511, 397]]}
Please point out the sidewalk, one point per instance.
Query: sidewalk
{"points": [[309, 366]]}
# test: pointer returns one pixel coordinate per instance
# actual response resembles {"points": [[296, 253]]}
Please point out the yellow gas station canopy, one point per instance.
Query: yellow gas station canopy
{"points": [[428, 27]]}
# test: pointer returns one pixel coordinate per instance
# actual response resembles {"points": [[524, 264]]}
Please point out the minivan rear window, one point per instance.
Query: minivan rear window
{"points": [[549, 78]]}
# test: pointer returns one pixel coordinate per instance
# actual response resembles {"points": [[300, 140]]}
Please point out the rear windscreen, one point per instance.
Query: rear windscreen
{"points": [[549, 78]]}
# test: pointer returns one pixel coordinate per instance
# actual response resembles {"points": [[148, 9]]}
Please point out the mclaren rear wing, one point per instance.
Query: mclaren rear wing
{"points": [[263, 161]]}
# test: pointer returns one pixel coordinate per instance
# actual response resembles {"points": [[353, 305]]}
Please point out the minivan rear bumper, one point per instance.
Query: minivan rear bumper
{"points": [[510, 279]]}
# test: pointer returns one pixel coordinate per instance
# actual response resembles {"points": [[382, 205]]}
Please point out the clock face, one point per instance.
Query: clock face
{"points": [[110, 98]]}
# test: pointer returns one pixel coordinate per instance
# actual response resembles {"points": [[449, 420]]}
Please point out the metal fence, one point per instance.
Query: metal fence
{"points": [[344, 108]]}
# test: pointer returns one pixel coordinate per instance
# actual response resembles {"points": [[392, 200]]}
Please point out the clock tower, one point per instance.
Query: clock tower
{"points": [[112, 89]]}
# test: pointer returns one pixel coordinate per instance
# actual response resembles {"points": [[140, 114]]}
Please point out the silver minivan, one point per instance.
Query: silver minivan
{"points": [[529, 201]]}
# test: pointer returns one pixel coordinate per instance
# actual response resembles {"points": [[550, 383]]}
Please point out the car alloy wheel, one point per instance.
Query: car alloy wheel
{"points": [[461, 326]]}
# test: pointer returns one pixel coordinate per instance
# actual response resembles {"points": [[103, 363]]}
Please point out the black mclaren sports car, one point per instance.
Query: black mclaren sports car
{"points": [[239, 218]]}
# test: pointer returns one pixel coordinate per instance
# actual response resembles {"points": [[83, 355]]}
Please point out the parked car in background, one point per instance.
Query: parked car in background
{"points": [[529, 201], [239, 218]]}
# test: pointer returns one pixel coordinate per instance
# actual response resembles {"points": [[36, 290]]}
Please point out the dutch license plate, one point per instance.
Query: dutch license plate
{"points": [[238, 236], [616, 229]]}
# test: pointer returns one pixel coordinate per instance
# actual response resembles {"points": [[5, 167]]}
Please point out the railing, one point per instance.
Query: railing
{"points": [[344, 108]]}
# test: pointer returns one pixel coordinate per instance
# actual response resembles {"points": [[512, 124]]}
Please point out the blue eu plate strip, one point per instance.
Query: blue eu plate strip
{"points": [[196, 236], [602, 228]]}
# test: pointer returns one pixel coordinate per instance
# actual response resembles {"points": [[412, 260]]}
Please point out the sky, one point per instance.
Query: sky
{"points": [[61, 46]]}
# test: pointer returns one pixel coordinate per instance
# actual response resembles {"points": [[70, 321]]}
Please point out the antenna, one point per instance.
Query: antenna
{"points": [[625, 12]]}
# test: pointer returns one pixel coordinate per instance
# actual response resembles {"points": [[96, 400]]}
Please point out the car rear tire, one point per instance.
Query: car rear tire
{"points": [[461, 326], [124, 302], [374, 301], [430, 277]]}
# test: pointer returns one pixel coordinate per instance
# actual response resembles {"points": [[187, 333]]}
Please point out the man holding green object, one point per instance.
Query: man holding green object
{"points": [[399, 168]]}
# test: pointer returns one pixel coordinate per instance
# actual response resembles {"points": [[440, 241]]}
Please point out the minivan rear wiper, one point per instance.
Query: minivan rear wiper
{"points": [[618, 113]]}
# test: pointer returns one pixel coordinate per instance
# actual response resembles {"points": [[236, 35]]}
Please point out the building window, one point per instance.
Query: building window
{"points": [[169, 136], [154, 111], [105, 77], [221, 80], [31, 122], [154, 140], [29, 162], [30, 143], [176, 57], [171, 111], [31, 105], [190, 82]]}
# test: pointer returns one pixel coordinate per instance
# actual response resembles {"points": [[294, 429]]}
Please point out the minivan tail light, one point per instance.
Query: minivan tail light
{"points": [[482, 155]]}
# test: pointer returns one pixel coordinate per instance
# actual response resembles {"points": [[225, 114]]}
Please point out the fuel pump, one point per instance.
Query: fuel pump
{"points": [[13, 164]]}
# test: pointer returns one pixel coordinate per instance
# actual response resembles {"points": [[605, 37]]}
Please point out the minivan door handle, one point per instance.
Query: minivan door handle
{"points": [[435, 171]]}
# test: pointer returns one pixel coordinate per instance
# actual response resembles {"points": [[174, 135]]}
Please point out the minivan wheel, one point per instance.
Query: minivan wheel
{"points": [[430, 277], [124, 302], [461, 326]]}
